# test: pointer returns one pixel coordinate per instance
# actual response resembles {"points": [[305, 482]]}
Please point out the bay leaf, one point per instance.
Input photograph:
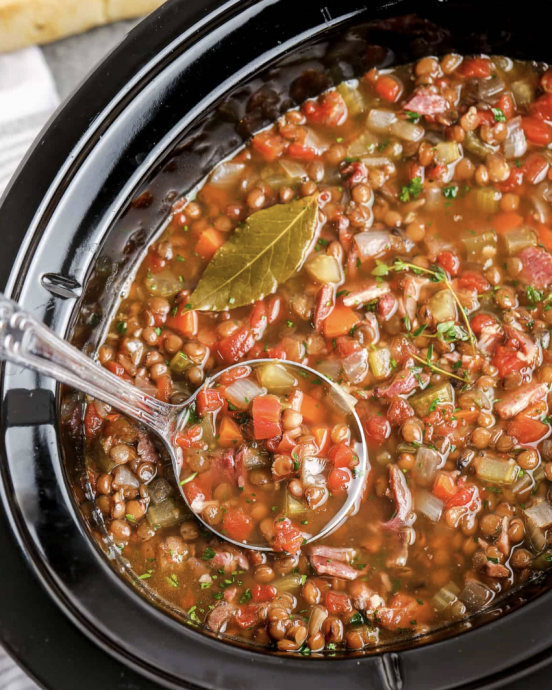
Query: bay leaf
{"points": [[262, 253]]}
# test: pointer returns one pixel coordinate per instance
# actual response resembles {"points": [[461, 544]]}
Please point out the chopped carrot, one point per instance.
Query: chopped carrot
{"points": [[444, 487], [209, 241], [340, 321], [185, 321], [217, 196], [466, 416], [229, 433], [164, 387], [321, 435], [545, 235], [312, 410], [527, 430], [506, 221]]}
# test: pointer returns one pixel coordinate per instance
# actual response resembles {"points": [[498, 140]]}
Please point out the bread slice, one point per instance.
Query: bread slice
{"points": [[28, 22]]}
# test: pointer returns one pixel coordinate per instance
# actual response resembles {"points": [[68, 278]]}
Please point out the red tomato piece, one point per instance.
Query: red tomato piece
{"points": [[194, 492], [506, 104], [346, 345], [546, 81], [185, 322], [527, 430], [338, 602], [462, 498], [287, 537], [247, 616], [116, 368], [479, 67], [377, 428], [164, 388], [266, 411], [232, 348], [287, 444], [330, 110], [269, 144], [185, 439], [542, 107], [444, 487], [339, 480], [449, 262], [209, 400], [301, 152], [537, 131], [506, 361], [237, 524], [399, 411], [342, 456], [474, 281], [514, 180], [388, 88], [535, 168], [481, 321], [260, 593], [93, 423]]}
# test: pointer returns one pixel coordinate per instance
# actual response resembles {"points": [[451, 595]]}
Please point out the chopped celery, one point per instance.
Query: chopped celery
{"points": [[363, 145], [294, 508], [446, 596], [276, 378], [289, 583], [480, 246], [423, 402], [475, 145], [442, 306], [159, 490], [380, 363], [516, 240], [487, 200], [494, 470], [447, 152], [180, 362], [325, 269], [166, 513], [350, 93]]}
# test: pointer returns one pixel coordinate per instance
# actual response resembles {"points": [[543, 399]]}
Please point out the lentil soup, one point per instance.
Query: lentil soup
{"points": [[421, 284]]}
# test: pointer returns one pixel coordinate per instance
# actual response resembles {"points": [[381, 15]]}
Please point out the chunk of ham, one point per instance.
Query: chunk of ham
{"points": [[516, 401], [327, 566], [496, 570], [402, 497], [537, 267], [401, 610], [425, 102], [220, 616], [528, 350], [229, 560], [365, 294], [334, 553], [503, 542], [403, 382], [364, 598]]}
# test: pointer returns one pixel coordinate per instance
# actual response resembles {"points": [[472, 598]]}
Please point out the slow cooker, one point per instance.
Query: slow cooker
{"points": [[186, 88]]}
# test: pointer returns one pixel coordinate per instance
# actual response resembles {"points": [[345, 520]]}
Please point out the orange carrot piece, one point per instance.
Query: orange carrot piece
{"points": [[229, 433], [209, 241], [506, 221], [312, 410], [185, 322], [340, 321]]}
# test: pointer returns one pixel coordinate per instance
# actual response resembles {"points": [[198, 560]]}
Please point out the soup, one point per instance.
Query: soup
{"points": [[394, 235]]}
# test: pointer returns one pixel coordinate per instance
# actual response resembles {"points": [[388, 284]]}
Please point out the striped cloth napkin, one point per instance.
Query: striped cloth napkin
{"points": [[28, 97]]}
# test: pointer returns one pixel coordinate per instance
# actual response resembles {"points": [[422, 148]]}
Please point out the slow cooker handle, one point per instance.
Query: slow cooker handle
{"points": [[29, 343]]}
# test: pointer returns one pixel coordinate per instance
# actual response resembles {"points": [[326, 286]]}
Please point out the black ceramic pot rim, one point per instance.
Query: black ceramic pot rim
{"points": [[34, 489]]}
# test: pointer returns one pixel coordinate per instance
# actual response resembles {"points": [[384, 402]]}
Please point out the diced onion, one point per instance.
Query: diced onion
{"points": [[429, 505], [406, 130], [293, 169], [123, 476], [380, 120], [325, 269], [342, 401], [314, 141], [540, 514], [515, 144], [352, 96], [227, 174], [330, 368], [356, 366], [446, 596], [428, 461], [541, 206], [434, 199], [373, 242], [447, 152], [311, 471], [364, 144], [475, 595], [242, 392]]}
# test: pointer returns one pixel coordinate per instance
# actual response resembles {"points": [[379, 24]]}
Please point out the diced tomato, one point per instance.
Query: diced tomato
{"points": [[266, 411], [444, 487], [339, 480], [301, 152], [269, 144], [116, 368], [185, 322], [312, 410], [342, 456], [377, 428], [542, 107], [287, 444], [209, 242], [260, 593], [232, 348], [321, 435], [514, 180], [399, 411], [228, 377], [93, 423], [388, 88], [338, 602], [449, 262], [346, 345], [287, 537], [537, 131], [194, 492], [506, 360], [247, 616], [209, 400], [229, 433], [506, 104], [340, 322], [237, 524], [330, 110], [478, 67], [273, 308], [481, 321], [527, 430], [535, 167], [186, 439], [164, 388], [486, 117], [474, 281], [546, 81], [462, 498]]}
